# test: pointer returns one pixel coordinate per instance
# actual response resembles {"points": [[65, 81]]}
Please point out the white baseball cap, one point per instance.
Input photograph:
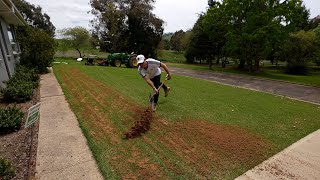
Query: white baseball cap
{"points": [[140, 58]]}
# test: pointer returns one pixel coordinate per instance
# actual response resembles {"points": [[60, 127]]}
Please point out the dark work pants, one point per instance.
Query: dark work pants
{"points": [[157, 83]]}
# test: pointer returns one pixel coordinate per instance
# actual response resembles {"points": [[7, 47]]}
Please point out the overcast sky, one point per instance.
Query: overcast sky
{"points": [[177, 14]]}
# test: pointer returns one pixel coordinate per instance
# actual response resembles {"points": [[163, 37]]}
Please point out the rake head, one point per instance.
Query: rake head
{"points": [[151, 100]]}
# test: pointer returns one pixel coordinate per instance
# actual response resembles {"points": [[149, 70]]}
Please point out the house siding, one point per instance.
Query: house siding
{"points": [[4, 75], [8, 60]]}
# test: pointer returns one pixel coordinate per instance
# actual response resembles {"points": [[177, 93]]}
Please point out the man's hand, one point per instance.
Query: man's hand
{"points": [[155, 90], [168, 76]]}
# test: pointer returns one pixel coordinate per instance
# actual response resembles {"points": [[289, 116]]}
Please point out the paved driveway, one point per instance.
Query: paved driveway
{"points": [[296, 91]]}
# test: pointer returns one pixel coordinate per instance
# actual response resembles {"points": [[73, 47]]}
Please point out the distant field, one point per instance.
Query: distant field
{"points": [[75, 54], [171, 56]]}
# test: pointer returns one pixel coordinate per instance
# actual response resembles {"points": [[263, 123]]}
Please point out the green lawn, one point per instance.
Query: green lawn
{"points": [[266, 72], [201, 130], [171, 56]]}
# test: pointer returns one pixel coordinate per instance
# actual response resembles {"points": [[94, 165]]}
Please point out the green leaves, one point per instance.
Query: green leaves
{"points": [[10, 119], [7, 172], [78, 37], [37, 48], [34, 16], [298, 49], [127, 26], [20, 86], [252, 30]]}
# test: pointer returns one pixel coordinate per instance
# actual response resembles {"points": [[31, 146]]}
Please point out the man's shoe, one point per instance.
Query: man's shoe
{"points": [[154, 108], [166, 91]]}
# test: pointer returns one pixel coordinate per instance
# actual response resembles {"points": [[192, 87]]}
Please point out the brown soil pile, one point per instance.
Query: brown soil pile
{"points": [[140, 126]]}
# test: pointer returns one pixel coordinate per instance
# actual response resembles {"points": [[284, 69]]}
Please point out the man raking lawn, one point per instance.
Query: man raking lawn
{"points": [[149, 70]]}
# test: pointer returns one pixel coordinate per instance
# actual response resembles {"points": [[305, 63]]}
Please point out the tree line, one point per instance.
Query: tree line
{"points": [[250, 31], [246, 31], [37, 39]]}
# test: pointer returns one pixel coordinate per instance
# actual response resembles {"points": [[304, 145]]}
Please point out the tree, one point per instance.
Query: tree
{"points": [[164, 44], [34, 16], [128, 26], [176, 39], [36, 40], [185, 41], [215, 26], [298, 50], [37, 48], [314, 23], [316, 58], [255, 29], [77, 36], [200, 45]]}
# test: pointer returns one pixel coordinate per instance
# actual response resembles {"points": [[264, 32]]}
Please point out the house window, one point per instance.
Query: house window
{"points": [[13, 42], [10, 34]]}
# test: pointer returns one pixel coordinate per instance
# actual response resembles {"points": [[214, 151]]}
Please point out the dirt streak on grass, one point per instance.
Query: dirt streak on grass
{"points": [[205, 149], [128, 162], [209, 146], [97, 121]]}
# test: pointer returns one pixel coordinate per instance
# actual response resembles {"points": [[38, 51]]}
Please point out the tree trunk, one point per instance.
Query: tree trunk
{"points": [[218, 61], [241, 64], [257, 63], [210, 63], [80, 53], [250, 65]]}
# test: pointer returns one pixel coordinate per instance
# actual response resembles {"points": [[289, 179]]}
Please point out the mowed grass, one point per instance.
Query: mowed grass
{"points": [[201, 130], [171, 56]]}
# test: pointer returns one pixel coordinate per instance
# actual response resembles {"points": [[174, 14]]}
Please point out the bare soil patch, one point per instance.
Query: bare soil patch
{"points": [[20, 147], [206, 145]]}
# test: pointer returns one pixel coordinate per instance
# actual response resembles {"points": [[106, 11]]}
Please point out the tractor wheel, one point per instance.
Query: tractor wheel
{"points": [[132, 62], [117, 63]]}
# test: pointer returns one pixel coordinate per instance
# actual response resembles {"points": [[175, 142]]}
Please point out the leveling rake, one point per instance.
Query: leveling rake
{"points": [[151, 97]]}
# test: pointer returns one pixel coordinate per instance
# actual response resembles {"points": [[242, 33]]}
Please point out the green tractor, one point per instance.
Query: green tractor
{"points": [[117, 59]]}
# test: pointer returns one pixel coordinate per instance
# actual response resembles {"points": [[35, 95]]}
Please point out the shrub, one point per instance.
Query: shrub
{"points": [[37, 48], [6, 170], [10, 119], [298, 49], [20, 86], [25, 74], [18, 91]]}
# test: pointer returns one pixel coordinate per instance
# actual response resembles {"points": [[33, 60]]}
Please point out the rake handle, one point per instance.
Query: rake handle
{"points": [[165, 80]]}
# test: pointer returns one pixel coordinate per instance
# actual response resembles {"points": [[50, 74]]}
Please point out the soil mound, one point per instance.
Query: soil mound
{"points": [[140, 126]]}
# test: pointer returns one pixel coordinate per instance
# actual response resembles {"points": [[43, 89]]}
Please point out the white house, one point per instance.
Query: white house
{"points": [[9, 49]]}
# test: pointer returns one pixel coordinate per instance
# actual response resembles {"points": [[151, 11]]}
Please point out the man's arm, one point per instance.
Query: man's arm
{"points": [[165, 67], [150, 84]]}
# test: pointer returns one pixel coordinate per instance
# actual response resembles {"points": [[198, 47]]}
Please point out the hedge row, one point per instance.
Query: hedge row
{"points": [[20, 87], [10, 119]]}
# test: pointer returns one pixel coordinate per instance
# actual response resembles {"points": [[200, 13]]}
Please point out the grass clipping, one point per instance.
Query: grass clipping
{"points": [[140, 126]]}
